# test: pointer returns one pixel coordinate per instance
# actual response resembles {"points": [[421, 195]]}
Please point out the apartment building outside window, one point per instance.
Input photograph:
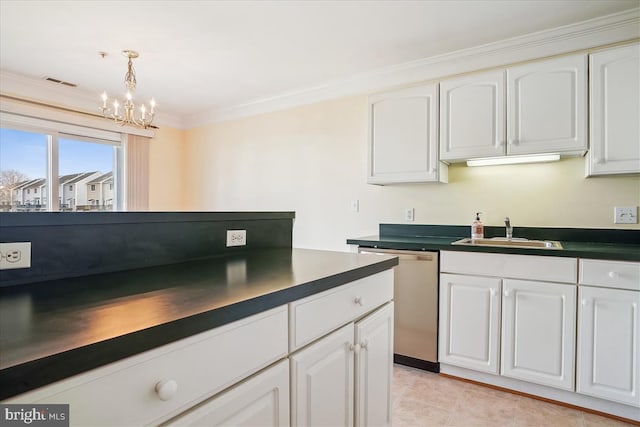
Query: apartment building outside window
{"points": [[76, 172]]}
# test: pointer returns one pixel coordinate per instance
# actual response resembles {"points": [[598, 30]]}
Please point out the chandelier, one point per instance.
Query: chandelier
{"points": [[123, 112]]}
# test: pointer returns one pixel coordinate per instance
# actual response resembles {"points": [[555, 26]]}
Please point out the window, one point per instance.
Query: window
{"points": [[23, 161], [25, 152]]}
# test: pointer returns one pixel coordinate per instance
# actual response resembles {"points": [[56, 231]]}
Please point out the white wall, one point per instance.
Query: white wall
{"points": [[312, 160]]}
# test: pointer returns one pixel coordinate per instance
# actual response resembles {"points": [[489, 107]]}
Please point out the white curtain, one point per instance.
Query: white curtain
{"points": [[137, 173]]}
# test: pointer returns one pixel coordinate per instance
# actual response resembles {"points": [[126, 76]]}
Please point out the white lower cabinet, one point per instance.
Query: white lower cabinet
{"points": [[538, 332], [556, 327], [344, 379], [260, 401], [470, 322], [322, 381], [323, 360], [154, 386], [493, 320], [609, 344], [374, 368]]}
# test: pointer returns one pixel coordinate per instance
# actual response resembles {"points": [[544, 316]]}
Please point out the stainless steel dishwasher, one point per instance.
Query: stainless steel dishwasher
{"points": [[415, 341]]}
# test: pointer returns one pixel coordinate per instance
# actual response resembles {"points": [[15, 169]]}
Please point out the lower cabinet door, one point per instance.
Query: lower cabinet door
{"points": [[262, 400], [374, 368], [538, 332], [322, 381], [609, 344], [469, 322]]}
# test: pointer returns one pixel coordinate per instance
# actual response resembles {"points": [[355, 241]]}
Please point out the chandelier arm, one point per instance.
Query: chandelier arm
{"points": [[128, 115]]}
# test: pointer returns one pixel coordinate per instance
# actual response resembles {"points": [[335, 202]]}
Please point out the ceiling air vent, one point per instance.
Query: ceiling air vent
{"points": [[60, 82]]}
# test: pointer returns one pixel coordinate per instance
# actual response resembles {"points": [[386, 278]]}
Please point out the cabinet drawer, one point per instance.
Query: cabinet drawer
{"points": [[262, 400], [531, 267], [610, 274], [317, 315], [123, 393]]}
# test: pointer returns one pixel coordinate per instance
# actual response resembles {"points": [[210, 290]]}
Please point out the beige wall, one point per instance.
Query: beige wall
{"points": [[166, 170], [312, 160]]}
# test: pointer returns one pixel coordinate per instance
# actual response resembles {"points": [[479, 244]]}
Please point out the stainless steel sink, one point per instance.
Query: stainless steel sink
{"points": [[510, 243]]}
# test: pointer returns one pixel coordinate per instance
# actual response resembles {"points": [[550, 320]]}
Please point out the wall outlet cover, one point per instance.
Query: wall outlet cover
{"points": [[236, 238], [409, 214], [15, 255], [625, 215]]}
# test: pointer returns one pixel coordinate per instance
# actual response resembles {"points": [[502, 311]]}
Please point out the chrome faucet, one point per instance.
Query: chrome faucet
{"points": [[509, 228]]}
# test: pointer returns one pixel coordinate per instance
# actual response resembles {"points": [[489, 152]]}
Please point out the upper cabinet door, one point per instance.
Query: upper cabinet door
{"points": [[547, 106], [403, 136], [472, 118], [615, 111]]}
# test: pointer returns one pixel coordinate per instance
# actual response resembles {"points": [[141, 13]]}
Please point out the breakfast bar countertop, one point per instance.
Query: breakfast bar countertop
{"points": [[53, 330]]}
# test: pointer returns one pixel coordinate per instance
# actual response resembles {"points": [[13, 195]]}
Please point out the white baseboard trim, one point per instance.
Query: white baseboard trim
{"points": [[571, 398]]}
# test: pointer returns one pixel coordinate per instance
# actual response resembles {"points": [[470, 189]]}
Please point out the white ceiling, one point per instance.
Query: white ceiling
{"points": [[197, 56]]}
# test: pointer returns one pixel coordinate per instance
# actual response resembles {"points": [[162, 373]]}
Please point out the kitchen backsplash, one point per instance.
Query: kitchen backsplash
{"points": [[71, 244]]}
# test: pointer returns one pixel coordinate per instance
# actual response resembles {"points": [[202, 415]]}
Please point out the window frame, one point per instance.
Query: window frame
{"points": [[54, 131]]}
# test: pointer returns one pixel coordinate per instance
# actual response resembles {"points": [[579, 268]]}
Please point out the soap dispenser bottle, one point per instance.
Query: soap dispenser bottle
{"points": [[477, 228]]}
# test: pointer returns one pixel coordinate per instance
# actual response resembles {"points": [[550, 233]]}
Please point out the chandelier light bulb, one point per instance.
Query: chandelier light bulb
{"points": [[128, 116]]}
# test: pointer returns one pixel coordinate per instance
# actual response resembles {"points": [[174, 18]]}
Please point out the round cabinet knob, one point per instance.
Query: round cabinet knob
{"points": [[584, 302], [493, 292], [614, 274], [364, 345], [166, 389], [507, 293], [357, 300], [355, 348]]}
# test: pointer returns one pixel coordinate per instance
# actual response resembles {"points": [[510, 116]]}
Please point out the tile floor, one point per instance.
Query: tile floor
{"points": [[426, 399]]}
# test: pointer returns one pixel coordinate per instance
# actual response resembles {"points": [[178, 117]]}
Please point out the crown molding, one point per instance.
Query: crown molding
{"points": [[56, 95], [581, 36]]}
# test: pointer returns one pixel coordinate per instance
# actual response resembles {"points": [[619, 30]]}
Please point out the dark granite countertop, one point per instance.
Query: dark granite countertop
{"points": [[623, 245], [610, 251], [52, 330]]}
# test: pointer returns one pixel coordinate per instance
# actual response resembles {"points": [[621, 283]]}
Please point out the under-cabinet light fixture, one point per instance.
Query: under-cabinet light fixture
{"points": [[511, 160]]}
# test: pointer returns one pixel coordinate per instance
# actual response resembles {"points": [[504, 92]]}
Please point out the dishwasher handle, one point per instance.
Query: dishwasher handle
{"points": [[404, 255]]}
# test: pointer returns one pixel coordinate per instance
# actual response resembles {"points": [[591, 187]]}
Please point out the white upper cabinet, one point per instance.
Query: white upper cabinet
{"points": [[403, 136], [472, 116], [614, 90], [544, 111], [547, 106]]}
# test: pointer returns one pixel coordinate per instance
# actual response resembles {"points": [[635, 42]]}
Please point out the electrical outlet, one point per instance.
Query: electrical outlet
{"points": [[15, 255], [236, 237], [409, 214], [625, 215], [355, 205]]}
